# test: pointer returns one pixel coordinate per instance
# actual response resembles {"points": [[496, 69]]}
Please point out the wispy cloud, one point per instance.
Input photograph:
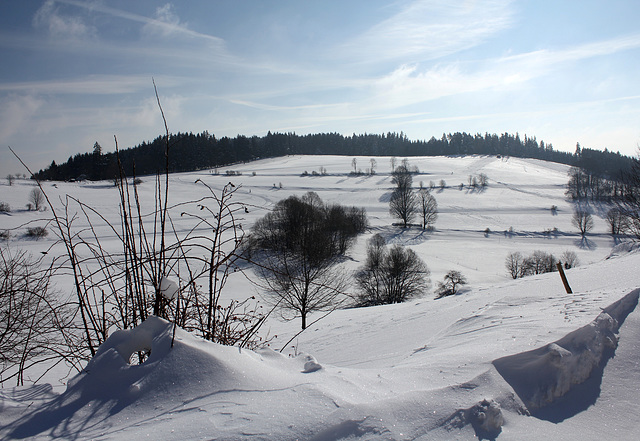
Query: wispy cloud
{"points": [[165, 20], [90, 85], [428, 29], [16, 112], [538, 62], [408, 84], [60, 25]]}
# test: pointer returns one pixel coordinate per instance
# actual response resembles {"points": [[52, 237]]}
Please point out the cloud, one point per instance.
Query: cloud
{"points": [[166, 22], [17, 113], [91, 85], [59, 25], [537, 62], [429, 29], [409, 84]]}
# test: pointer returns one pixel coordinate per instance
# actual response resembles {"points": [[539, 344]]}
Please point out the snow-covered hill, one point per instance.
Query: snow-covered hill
{"points": [[505, 359]]}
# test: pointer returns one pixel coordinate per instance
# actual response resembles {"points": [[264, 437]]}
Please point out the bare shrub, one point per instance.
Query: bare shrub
{"points": [[4, 207], [390, 275], [32, 321], [37, 232], [452, 282], [120, 290]]}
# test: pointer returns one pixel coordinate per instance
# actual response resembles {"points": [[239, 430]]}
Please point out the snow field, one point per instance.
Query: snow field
{"points": [[424, 369]]}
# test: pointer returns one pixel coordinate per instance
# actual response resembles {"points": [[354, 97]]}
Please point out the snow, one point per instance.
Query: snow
{"points": [[168, 288], [543, 375], [505, 359]]}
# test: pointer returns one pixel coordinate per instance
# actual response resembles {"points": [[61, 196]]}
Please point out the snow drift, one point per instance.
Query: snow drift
{"points": [[543, 375], [168, 382], [201, 390]]}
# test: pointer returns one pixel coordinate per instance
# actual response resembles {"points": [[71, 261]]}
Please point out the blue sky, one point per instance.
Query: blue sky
{"points": [[75, 72]]}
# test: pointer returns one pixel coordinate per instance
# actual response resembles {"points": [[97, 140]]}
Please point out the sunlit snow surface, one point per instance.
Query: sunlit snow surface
{"points": [[471, 366]]}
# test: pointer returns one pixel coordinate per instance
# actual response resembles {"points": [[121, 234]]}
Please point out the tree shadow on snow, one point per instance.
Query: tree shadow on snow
{"points": [[385, 197], [585, 243], [405, 236]]}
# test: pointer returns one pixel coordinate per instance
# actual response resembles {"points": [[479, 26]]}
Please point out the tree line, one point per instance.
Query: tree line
{"points": [[189, 151]]}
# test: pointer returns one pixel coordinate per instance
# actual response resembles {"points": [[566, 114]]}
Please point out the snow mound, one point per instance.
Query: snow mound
{"points": [[311, 365], [543, 375], [624, 248], [193, 370]]}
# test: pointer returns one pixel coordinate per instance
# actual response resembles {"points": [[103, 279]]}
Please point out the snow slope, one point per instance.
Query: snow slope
{"points": [[505, 359]]}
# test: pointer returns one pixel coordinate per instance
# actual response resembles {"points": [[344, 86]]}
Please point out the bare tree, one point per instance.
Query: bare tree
{"points": [[582, 220], [354, 164], [483, 180], [10, 179], [390, 275], [295, 248], [452, 281], [569, 259], [374, 163], [631, 206], [539, 262], [36, 199], [403, 203], [616, 220], [515, 265], [428, 208], [369, 279]]}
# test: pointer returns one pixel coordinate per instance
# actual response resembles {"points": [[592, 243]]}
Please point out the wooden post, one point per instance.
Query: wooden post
{"points": [[564, 278]]}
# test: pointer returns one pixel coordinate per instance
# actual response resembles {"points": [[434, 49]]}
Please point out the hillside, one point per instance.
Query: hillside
{"points": [[189, 152], [468, 366]]}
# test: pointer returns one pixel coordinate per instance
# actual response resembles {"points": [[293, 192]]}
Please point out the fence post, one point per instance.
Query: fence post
{"points": [[564, 278]]}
